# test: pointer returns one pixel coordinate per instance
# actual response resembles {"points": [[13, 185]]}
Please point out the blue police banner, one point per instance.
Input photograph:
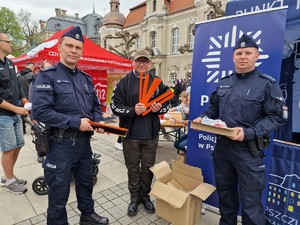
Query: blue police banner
{"points": [[212, 60], [284, 133], [283, 193], [236, 7]]}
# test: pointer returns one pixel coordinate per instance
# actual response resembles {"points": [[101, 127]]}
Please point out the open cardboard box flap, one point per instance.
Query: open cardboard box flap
{"points": [[179, 192], [203, 191], [169, 194], [190, 171], [161, 169], [186, 182]]}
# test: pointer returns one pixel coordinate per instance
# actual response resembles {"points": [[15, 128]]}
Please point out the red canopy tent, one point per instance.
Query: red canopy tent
{"points": [[94, 57], [95, 60]]}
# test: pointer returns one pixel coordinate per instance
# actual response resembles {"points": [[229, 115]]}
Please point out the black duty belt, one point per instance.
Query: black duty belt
{"points": [[226, 141], [69, 133]]}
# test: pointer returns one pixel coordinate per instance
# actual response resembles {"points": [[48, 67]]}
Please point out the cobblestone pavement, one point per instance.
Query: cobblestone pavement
{"points": [[110, 192], [111, 202]]}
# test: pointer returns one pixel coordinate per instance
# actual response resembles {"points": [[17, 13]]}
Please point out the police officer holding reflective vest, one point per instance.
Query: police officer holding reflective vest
{"points": [[253, 104], [64, 99]]}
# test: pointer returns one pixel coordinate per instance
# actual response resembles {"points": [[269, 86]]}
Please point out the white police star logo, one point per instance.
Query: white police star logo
{"points": [[222, 42]]}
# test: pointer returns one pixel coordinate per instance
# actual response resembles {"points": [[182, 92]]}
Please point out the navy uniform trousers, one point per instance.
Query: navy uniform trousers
{"points": [[72, 156], [237, 171]]}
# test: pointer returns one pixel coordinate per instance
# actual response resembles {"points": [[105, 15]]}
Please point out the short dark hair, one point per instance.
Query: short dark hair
{"points": [[29, 63]]}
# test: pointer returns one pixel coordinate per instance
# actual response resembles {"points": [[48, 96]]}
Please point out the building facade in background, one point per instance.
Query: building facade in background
{"points": [[89, 24], [165, 27]]}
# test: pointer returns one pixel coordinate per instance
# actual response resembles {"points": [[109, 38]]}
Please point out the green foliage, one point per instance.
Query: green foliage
{"points": [[10, 25], [27, 26]]}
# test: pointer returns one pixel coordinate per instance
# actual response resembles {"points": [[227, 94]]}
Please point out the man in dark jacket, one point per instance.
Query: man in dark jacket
{"points": [[25, 78], [140, 144]]}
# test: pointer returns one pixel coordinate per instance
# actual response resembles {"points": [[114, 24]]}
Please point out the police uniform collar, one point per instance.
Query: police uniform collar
{"points": [[246, 74], [73, 71]]}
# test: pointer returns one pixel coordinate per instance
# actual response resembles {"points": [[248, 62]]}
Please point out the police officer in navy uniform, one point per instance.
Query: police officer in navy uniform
{"points": [[64, 99], [252, 103]]}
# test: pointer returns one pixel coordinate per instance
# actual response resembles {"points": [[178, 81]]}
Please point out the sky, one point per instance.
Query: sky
{"points": [[43, 10]]}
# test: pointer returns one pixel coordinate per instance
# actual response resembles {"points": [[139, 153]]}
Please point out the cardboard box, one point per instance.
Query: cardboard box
{"points": [[181, 157], [216, 130], [173, 203]]}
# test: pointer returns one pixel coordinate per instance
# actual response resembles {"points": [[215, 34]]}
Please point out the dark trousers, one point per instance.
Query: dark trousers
{"points": [[139, 156], [240, 177], [71, 157]]}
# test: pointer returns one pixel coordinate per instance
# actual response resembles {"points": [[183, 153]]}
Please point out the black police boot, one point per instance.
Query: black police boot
{"points": [[93, 219], [148, 205], [133, 208]]}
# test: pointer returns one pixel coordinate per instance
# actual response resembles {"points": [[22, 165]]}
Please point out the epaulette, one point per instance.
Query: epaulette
{"points": [[49, 68], [228, 76], [268, 77]]}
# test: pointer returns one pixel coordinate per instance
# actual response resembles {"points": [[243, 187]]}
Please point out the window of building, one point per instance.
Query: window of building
{"points": [[153, 39], [175, 40], [138, 43], [154, 6], [173, 76], [191, 37]]}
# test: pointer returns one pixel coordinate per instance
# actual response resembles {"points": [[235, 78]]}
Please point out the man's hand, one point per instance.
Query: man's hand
{"points": [[139, 108], [21, 111], [155, 107], [198, 120], [85, 125], [99, 130], [16, 109], [240, 136], [34, 121]]}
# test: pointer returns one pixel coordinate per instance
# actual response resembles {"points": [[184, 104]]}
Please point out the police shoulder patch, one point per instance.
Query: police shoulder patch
{"points": [[268, 77]]}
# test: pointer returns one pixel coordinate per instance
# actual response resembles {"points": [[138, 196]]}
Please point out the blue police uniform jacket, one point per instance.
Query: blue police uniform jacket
{"points": [[62, 96], [253, 101]]}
